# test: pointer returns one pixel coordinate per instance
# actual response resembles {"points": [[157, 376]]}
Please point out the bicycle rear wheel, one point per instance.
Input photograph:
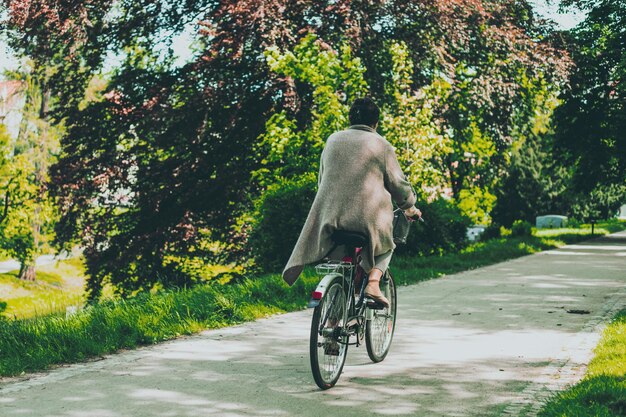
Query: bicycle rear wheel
{"points": [[379, 329], [328, 343]]}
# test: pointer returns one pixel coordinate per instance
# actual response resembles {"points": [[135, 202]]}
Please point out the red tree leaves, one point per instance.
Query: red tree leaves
{"points": [[183, 140], [46, 22]]}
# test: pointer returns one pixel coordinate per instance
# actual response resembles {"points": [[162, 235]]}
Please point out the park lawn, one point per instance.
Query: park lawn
{"points": [[58, 285], [38, 342], [602, 392]]}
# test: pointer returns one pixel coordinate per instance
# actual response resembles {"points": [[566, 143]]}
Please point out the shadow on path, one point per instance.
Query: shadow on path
{"points": [[482, 343]]}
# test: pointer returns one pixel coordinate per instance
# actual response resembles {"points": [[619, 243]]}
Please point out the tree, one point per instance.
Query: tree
{"points": [[591, 123], [26, 227], [410, 124], [335, 79], [5, 140], [166, 156], [535, 181], [109, 180]]}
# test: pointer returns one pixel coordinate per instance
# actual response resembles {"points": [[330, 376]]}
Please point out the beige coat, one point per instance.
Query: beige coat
{"points": [[359, 176]]}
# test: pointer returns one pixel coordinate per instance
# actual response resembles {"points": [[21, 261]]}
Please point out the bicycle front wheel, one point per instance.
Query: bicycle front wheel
{"points": [[328, 344], [381, 323]]}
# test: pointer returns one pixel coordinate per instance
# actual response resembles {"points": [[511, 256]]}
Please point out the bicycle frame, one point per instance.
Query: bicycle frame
{"points": [[342, 310], [357, 308]]}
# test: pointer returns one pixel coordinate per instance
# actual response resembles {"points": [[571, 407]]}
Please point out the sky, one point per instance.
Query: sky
{"points": [[550, 9], [181, 42]]}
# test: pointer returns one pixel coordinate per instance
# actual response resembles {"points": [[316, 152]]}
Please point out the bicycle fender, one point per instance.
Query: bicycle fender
{"points": [[321, 289]]}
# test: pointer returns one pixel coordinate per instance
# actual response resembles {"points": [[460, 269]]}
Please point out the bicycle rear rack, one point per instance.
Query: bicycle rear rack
{"points": [[343, 268]]}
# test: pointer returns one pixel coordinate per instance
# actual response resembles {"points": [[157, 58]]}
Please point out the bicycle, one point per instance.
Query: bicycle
{"points": [[343, 312]]}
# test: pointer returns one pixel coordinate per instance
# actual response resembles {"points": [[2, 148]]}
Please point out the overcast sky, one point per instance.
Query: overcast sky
{"points": [[546, 8]]}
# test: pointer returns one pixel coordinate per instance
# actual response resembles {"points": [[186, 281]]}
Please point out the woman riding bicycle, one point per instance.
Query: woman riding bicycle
{"points": [[358, 179]]}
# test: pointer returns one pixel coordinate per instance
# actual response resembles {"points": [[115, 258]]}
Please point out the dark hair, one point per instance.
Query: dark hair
{"points": [[364, 112]]}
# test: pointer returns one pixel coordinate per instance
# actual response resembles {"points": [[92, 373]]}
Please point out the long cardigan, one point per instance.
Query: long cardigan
{"points": [[358, 179]]}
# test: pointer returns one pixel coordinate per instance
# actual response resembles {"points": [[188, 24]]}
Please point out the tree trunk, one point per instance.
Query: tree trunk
{"points": [[27, 272], [456, 181]]}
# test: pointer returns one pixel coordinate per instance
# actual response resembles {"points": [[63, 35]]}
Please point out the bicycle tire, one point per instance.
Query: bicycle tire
{"points": [[380, 327], [326, 326]]}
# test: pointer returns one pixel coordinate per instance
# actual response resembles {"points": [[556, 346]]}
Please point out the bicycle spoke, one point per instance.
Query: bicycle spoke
{"points": [[328, 348], [379, 331]]}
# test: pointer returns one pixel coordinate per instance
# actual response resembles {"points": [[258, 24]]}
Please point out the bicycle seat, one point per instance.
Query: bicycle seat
{"points": [[345, 237]]}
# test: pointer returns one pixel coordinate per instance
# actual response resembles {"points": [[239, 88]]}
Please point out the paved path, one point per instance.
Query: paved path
{"points": [[13, 265], [488, 342]]}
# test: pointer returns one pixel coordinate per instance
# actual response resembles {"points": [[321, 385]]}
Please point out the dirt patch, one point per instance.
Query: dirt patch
{"points": [[9, 291]]}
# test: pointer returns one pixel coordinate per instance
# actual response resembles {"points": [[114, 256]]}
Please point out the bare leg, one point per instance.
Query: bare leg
{"points": [[372, 289]]}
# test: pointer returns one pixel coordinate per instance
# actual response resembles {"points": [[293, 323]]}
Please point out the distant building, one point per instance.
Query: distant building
{"points": [[551, 221], [11, 102]]}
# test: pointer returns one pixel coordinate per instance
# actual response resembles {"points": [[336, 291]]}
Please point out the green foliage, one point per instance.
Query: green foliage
{"points": [[409, 123], [487, 131], [34, 344], [476, 203], [603, 202], [280, 214], [493, 231], [591, 126], [335, 79], [534, 183], [57, 286], [157, 153], [31, 214], [444, 230], [521, 228], [600, 228], [5, 169]]}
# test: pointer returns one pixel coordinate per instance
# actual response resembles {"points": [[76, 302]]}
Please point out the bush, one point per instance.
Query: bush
{"points": [[444, 230], [493, 231], [574, 223], [602, 203], [280, 214], [521, 228]]}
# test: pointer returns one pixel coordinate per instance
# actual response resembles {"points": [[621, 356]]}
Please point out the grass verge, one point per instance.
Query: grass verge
{"points": [[602, 393], [409, 270], [58, 285], [37, 343]]}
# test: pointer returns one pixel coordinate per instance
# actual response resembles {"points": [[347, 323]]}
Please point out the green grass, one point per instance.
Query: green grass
{"points": [[409, 270], [38, 342], [57, 286], [602, 393], [34, 344]]}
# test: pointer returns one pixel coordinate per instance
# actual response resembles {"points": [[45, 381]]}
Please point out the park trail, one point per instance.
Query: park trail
{"points": [[494, 341], [13, 265]]}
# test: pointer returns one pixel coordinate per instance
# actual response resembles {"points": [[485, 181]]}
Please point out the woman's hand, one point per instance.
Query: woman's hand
{"points": [[413, 212]]}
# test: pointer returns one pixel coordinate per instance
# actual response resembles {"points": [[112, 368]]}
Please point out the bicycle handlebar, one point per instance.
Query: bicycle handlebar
{"points": [[414, 219]]}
